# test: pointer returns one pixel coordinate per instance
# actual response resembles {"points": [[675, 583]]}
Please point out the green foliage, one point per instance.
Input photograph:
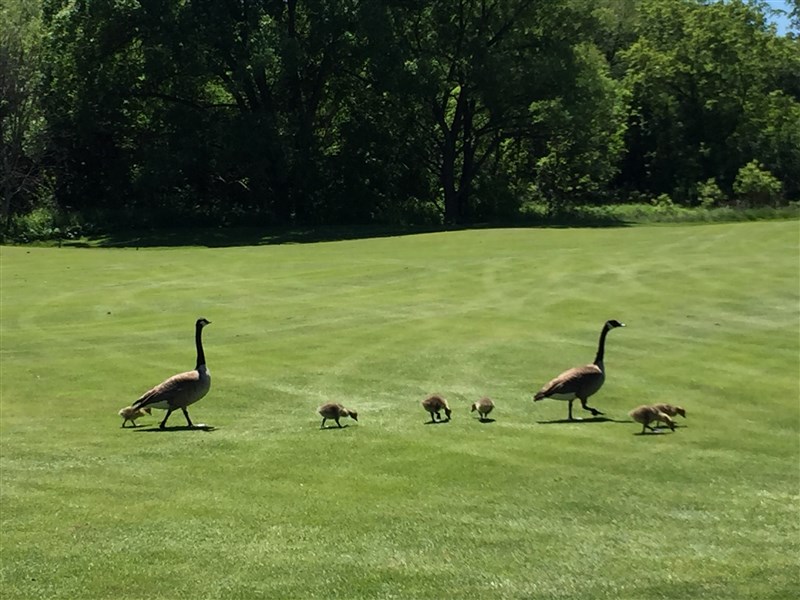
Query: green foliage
{"points": [[269, 506], [706, 81], [709, 195], [755, 186], [322, 111]]}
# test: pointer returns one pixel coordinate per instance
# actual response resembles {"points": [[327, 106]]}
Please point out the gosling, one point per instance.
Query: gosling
{"points": [[335, 411], [484, 406], [647, 414], [435, 404], [671, 410], [131, 414]]}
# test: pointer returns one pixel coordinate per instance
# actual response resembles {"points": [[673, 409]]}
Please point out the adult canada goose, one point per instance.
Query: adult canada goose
{"points": [[335, 411], [484, 406], [435, 404], [580, 382], [183, 389]]}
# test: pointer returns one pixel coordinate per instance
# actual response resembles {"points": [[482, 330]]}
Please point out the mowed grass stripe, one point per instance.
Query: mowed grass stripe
{"points": [[389, 507]]}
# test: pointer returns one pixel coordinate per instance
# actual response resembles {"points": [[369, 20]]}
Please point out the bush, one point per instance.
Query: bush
{"points": [[709, 194], [755, 186]]}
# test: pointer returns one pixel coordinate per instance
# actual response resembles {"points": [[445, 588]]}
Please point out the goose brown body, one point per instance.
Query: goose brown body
{"points": [[183, 389], [648, 414], [580, 382], [484, 406], [435, 405], [335, 411]]}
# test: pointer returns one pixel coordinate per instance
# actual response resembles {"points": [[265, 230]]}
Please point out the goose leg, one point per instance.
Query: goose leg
{"points": [[585, 406], [337, 422], [186, 414], [323, 422], [164, 422], [570, 410]]}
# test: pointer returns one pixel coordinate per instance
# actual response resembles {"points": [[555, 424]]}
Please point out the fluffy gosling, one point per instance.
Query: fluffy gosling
{"points": [[335, 411], [131, 414], [484, 406], [435, 404], [647, 414], [671, 410]]}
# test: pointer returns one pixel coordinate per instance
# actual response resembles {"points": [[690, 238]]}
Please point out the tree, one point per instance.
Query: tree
{"points": [[21, 131], [702, 77]]}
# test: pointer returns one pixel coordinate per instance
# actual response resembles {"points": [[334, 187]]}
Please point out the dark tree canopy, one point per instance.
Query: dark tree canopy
{"points": [[285, 112]]}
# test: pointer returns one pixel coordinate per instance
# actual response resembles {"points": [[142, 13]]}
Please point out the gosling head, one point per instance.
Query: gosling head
{"points": [[447, 412], [353, 415], [681, 411], [474, 407], [666, 419]]}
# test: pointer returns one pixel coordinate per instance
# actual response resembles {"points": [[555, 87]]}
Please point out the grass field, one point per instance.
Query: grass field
{"points": [[267, 505]]}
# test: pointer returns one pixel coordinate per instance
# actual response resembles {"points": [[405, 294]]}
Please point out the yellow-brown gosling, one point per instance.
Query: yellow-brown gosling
{"points": [[131, 414], [335, 411], [484, 406], [435, 404], [647, 414], [671, 410]]}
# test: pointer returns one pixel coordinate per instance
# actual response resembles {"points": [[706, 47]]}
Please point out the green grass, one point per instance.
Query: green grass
{"points": [[269, 506]]}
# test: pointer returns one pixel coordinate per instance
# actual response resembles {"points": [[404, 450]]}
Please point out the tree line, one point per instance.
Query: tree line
{"points": [[390, 111]]}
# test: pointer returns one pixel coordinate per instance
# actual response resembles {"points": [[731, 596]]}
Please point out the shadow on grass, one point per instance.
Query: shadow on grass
{"points": [[486, 420], [437, 422], [222, 237], [656, 432], [333, 427], [175, 428], [586, 420]]}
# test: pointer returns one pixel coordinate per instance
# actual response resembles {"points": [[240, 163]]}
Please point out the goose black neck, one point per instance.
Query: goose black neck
{"points": [[601, 346], [198, 341]]}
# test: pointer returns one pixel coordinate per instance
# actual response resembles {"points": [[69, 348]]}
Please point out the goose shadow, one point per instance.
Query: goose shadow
{"points": [[586, 420], [437, 422], [175, 428], [486, 420], [333, 427], [656, 432]]}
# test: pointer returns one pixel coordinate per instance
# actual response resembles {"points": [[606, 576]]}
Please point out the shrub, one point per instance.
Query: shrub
{"points": [[755, 186], [709, 194]]}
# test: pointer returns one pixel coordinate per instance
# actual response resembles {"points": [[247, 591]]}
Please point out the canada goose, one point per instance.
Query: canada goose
{"points": [[671, 410], [435, 404], [183, 389], [647, 414], [580, 382], [131, 414], [335, 411], [484, 406]]}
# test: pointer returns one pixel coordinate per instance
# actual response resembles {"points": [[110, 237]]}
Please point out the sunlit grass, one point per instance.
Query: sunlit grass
{"points": [[269, 505]]}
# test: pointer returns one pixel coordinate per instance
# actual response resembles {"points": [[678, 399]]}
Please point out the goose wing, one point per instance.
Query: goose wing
{"points": [[571, 381], [171, 391]]}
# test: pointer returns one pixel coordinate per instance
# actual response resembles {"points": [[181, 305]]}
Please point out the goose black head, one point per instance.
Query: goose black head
{"points": [[612, 323], [201, 322]]}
